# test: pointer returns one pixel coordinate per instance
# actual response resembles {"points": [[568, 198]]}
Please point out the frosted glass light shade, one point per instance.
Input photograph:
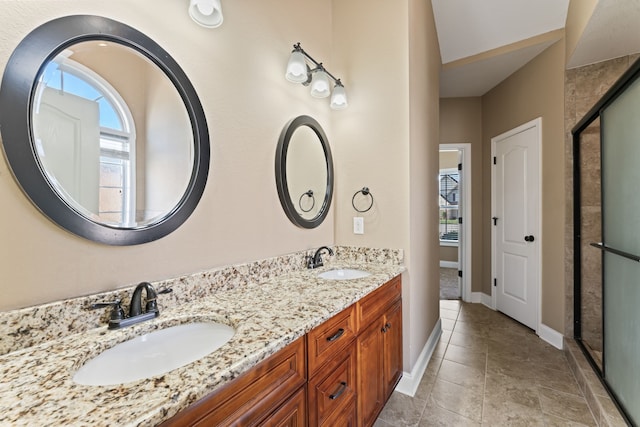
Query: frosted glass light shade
{"points": [[320, 87], [297, 68], [339, 98], [207, 13]]}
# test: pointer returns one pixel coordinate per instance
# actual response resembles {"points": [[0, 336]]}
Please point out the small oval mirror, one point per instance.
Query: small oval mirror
{"points": [[304, 172], [103, 130]]}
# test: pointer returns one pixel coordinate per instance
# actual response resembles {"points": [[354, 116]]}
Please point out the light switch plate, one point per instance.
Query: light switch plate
{"points": [[358, 225]]}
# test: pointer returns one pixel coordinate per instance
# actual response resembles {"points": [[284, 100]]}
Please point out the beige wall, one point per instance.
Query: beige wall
{"points": [[461, 122], [536, 90], [389, 143], [238, 72]]}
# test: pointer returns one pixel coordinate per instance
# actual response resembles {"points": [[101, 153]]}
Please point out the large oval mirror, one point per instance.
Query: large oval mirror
{"points": [[103, 130], [304, 172]]}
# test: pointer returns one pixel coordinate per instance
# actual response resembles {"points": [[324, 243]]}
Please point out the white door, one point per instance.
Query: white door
{"points": [[516, 219], [67, 134]]}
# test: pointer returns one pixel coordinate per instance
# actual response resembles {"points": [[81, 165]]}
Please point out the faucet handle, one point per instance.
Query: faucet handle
{"points": [[117, 313], [152, 304]]}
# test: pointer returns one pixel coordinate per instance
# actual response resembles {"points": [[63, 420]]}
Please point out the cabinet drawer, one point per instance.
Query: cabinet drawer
{"points": [[333, 388], [252, 396], [326, 340], [291, 414], [373, 305]]}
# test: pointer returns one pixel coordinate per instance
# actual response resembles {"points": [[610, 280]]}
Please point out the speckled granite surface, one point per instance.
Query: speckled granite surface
{"points": [[270, 303]]}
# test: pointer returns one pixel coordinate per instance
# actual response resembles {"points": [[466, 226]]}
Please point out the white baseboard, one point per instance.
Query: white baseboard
{"points": [[551, 336], [476, 297], [486, 300], [411, 380], [448, 264]]}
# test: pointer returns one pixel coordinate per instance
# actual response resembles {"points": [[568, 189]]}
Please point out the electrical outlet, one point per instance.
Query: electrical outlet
{"points": [[358, 225]]}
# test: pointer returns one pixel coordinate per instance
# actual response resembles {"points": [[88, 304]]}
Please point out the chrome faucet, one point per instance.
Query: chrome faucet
{"points": [[136, 315], [316, 260]]}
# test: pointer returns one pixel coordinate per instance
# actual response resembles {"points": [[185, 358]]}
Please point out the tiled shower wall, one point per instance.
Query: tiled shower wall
{"points": [[584, 86]]}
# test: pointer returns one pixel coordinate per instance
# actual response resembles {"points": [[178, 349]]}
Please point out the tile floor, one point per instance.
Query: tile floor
{"points": [[489, 370]]}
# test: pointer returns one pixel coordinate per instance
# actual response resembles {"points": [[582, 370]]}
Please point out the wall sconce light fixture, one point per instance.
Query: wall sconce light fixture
{"points": [[207, 13], [298, 71]]}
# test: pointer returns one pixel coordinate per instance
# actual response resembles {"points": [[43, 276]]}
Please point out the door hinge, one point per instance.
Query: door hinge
{"points": [[459, 273], [495, 220], [495, 282], [495, 160], [459, 220], [459, 166]]}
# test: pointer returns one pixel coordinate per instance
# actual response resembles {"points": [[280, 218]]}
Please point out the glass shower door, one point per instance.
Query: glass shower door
{"points": [[621, 234]]}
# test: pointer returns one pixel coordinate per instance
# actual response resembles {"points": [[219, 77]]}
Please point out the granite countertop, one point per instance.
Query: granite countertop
{"points": [[36, 385]]}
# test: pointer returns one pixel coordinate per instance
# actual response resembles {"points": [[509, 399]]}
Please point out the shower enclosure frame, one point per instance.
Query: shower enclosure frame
{"points": [[618, 88]]}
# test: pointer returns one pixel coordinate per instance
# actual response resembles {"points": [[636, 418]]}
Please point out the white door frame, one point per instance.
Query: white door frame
{"points": [[464, 250], [533, 123]]}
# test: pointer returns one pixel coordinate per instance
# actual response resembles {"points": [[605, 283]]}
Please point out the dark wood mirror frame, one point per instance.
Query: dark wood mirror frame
{"points": [[281, 172]]}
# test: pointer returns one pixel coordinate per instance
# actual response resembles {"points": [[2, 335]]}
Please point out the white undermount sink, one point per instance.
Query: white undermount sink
{"points": [[155, 353], [343, 274]]}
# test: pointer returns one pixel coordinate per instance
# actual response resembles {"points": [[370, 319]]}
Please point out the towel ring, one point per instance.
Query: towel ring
{"points": [[365, 191], [313, 200]]}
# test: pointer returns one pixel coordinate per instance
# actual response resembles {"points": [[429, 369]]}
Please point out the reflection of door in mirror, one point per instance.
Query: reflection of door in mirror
{"points": [[66, 133], [143, 139], [306, 170]]}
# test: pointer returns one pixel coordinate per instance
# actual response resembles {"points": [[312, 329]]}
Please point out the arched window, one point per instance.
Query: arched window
{"points": [[116, 201]]}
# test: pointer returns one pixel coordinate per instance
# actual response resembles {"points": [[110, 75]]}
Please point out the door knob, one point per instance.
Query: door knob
{"points": [[529, 238]]}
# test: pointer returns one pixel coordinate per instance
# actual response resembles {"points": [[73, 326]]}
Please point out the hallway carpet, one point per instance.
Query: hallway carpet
{"points": [[489, 370]]}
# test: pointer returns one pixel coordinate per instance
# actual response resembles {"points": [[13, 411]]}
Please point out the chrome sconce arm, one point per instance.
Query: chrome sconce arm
{"points": [[298, 71]]}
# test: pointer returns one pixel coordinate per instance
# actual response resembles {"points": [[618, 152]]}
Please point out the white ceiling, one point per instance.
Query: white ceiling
{"points": [[482, 42]]}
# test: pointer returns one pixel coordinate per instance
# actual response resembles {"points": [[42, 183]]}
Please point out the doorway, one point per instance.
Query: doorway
{"points": [[454, 223], [515, 185]]}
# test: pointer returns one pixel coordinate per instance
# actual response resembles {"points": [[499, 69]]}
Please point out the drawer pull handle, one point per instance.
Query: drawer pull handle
{"points": [[385, 328], [336, 335], [338, 393]]}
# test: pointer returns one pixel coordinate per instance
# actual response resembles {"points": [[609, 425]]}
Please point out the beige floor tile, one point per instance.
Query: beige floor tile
{"points": [[499, 412], [477, 344], [433, 366], [456, 398], [491, 370], [502, 387], [402, 410], [558, 380], [567, 406], [448, 314], [446, 336], [450, 304], [434, 416], [425, 387], [469, 328], [553, 421], [447, 324], [466, 356], [460, 374]]}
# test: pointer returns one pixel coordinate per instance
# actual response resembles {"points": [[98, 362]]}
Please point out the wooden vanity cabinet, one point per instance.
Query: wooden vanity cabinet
{"points": [[272, 393], [353, 361], [379, 349], [332, 370]]}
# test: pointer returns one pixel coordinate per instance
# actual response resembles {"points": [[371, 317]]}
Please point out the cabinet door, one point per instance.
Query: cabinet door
{"points": [[370, 393], [291, 414], [392, 337]]}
